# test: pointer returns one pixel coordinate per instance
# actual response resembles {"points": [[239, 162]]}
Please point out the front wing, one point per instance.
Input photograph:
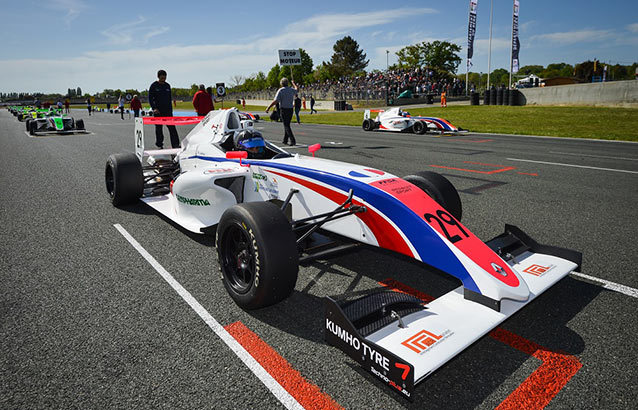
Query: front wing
{"points": [[402, 340]]}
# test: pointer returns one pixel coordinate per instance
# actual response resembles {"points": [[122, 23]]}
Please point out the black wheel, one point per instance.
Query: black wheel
{"points": [[440, 189], [368, 125], [257, 254], [27, 122], [420, 127], [19, 117], [79, 124], [124, 178], [33, 127], [256, 117]]}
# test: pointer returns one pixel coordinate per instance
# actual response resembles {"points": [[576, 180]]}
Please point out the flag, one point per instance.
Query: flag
{"points": [[516, 45], [471, 31]]}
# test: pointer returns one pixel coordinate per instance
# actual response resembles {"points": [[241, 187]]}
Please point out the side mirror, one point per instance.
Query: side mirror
{"points": [[237, 154], [314, 148]]}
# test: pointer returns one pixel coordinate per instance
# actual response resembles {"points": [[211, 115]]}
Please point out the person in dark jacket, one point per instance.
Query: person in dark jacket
{"points": [[297, 107], [159, 96], [202, 101]]}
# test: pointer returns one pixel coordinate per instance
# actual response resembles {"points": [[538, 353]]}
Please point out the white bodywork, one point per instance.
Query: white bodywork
{"points": [[397, 120]]}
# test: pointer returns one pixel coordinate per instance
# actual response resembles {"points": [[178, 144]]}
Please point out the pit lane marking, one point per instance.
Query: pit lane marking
{"points": [[593, 156], [573, 165], [271, 384]]}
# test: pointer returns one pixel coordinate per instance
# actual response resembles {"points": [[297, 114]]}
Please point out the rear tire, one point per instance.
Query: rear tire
{"points": [[440, 189], [257, 254], [124, 179], [420, 127], [367, 125], [79, 124], [33, 127]]}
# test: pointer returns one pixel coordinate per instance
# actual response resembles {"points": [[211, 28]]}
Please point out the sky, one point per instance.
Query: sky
{"points": [[59, 44]]}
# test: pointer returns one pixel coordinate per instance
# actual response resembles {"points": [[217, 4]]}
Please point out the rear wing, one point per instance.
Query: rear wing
{"points": [[139, 131], [366, 114]]}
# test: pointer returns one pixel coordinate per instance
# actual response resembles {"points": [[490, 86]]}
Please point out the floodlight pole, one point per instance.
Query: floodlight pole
{"points": [[387, 60], [489, 54]]}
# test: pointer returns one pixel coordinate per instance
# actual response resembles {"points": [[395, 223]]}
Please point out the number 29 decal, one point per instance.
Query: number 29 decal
{"points": [[445, 221]]}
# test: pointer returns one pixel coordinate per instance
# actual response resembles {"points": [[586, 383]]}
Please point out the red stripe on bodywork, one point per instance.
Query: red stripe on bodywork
{"points": [[422, 204], [543, 384], [307, 394], [172, 120], [387, 235]]}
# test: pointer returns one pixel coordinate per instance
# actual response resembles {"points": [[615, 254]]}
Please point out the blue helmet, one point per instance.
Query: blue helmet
{"points": [[248, 140]]}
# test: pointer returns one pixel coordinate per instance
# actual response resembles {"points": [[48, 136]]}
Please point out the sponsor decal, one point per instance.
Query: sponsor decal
{"points": [[424, 341], [218, 170], [358, 345], [260, 176], [538, 270], [192, 201]]}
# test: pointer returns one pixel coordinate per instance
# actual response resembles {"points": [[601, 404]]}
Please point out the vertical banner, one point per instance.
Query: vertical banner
{"points": [[471, 31], [516, 45]]}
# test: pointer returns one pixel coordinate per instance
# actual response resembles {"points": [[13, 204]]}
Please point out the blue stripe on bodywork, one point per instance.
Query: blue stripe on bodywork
{"points": [[422, 236], [437, 120]]}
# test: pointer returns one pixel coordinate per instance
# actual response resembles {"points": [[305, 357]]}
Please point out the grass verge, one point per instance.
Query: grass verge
{"points": [[576, 122]]}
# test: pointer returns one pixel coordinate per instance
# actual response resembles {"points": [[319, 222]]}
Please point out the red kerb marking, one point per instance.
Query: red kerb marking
{"points": [[501, 168], [528, 173], [307, 394], [543, 384]]}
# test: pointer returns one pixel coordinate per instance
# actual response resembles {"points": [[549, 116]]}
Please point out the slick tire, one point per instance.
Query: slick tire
{"points": [[440, 189], [27, 122], [257, 254], [367, 125], [33, 127], [79, 124], [420, 127], [124, 179], [19, 117]]}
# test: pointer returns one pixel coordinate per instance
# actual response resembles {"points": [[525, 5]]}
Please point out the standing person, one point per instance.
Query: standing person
{"points": [[67, 104], [285, 96], [297, 107], [136, 106], [159, 97], [303, 102], [88, 105], [443, 99], [243, 103], [120, 106], [202, 102], [312, 104]]}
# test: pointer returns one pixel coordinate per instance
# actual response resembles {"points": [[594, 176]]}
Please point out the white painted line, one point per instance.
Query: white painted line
{"points": [[626, 290], [275, 388], [593, 156], [574, 166]]}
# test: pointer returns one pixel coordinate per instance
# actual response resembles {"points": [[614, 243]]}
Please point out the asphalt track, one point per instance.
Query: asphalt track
{"points": [[87, 322]]}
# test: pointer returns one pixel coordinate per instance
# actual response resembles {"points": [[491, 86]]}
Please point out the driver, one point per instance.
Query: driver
{"points": [[252, 142]]}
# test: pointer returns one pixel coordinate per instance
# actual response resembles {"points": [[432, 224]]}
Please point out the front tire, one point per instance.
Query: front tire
{"points": [[33, 127], [440, 189], [79, 124], [420, 127], [257, 254], [367, 125], [124, 179]]}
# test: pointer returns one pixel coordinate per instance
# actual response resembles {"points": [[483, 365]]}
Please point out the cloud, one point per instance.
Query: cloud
{"points": [[633, 27], [128, 33], [186, 64], [572, 37], [73, 9]]}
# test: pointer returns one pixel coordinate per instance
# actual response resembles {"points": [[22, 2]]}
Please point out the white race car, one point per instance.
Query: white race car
{"points": [[398, 120], [267, 212]]}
